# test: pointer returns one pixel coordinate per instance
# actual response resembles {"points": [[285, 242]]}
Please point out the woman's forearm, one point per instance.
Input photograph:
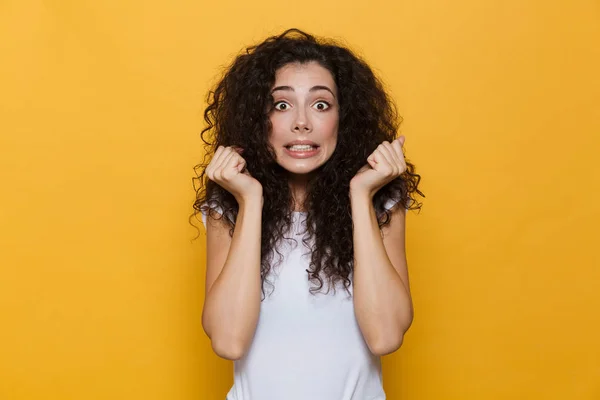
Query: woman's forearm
{"points": [[232, 304], [381, 299]]}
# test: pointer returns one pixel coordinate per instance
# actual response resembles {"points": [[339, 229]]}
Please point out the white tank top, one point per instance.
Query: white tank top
{"points": [[306, 347]]}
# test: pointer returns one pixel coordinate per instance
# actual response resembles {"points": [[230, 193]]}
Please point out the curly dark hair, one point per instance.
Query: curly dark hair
{"points": [[238, 115]]}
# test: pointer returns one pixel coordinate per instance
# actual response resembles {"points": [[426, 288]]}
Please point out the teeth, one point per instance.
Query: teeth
{"points": [[301, 147]]}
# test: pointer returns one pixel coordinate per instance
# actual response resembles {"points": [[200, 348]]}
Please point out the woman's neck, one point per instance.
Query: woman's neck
{"points": [[298, 187], [298, 192]]}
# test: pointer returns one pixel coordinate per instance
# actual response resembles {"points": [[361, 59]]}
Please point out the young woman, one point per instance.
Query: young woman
{"points": [[304, 202]]}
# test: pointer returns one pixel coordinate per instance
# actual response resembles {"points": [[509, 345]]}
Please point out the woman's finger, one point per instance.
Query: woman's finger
{"points": [[230, 165], [382, 163], [223, 161], [387, 154], [217, 158], [394, 155], [397, 145], [211, 165]]}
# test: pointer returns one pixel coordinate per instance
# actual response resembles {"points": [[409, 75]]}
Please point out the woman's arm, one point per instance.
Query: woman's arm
{"points": [[382, 300], [233, 284]]}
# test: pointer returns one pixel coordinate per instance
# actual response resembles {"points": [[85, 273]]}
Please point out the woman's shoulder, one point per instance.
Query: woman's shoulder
{"points": [[391, 203], [212, 208]]}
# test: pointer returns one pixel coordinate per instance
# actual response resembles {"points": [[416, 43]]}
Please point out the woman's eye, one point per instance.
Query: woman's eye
{"points": [[322, 105], [282, 103]]}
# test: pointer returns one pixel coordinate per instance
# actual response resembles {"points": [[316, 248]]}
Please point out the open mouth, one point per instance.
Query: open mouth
{"points": [[302, 147], [302, 151]]}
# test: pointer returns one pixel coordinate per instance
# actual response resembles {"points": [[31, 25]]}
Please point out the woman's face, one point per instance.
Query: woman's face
{"points": [[305, 110]]}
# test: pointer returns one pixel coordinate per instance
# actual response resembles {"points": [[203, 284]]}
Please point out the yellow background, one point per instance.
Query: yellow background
{"points": [[101, 286]]}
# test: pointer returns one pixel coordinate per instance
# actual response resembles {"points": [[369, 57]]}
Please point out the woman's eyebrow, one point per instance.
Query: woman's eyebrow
{"points": [[312, 89]]}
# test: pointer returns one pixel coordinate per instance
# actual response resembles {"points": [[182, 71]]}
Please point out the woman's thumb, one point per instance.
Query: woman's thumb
{"points": [[238, 149], [241, 167]]}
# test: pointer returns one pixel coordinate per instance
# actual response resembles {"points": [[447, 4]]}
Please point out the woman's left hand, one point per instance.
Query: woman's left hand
{"points": [[385, 164]]}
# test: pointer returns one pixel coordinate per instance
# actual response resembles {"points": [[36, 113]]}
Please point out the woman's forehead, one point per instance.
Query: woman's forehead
{"points": [[306, 74]]}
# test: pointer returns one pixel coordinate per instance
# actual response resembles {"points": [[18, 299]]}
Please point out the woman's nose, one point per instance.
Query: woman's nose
{"points": [[301, 123]]}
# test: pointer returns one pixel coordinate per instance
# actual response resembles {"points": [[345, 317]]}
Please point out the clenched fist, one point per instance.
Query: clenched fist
{"points": [[228, 170]]}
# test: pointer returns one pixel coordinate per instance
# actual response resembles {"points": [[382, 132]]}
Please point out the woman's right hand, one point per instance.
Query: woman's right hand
{"points": [[228, 169]]}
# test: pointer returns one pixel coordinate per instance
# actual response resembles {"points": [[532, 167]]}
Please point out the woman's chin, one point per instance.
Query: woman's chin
{"points": [[300, 170], [299, 166]]}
